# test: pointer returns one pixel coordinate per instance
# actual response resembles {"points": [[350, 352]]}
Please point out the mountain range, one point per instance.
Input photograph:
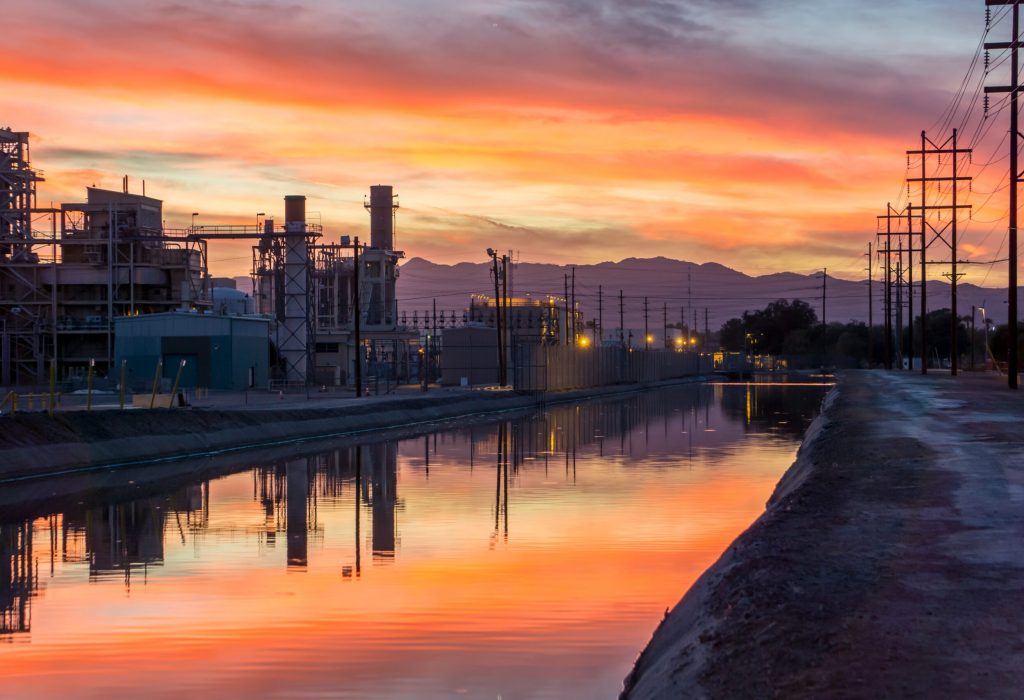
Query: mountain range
{"points": [[673, 288]]}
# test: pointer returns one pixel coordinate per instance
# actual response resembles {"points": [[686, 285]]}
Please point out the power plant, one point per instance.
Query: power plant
{"points": [[67, 273]]}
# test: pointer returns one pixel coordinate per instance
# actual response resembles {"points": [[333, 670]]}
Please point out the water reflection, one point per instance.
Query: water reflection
{"points": [[490, 546]]}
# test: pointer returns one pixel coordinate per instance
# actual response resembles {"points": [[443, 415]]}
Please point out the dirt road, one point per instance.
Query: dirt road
{"points": [[890, 562]]}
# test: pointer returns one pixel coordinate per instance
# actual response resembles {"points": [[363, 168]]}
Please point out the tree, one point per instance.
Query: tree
{"points": [[732, 335], [938, 335], [771, 325]]}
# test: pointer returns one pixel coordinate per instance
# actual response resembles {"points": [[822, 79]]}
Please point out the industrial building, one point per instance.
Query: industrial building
{"points": [[63, 284], [219, 351], [70, 276], [470, 352]]}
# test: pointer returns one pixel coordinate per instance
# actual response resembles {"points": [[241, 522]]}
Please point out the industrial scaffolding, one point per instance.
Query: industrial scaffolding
{"points": [[66, 273]]}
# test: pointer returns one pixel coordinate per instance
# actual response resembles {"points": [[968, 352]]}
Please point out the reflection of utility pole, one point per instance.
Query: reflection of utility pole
{"points": [[359, 495]]}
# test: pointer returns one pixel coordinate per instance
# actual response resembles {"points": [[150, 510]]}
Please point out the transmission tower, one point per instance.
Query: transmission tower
{"points": [[930, 148]]}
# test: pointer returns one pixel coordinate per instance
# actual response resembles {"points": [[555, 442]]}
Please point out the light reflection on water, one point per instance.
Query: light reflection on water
{"points": [[527, 559]]}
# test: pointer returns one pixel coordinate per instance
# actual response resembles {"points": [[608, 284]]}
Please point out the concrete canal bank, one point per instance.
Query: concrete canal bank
{"points": [[37, 444], [889, 562]]}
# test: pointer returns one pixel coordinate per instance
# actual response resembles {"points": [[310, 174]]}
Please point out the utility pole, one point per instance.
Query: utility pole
{"points": [[565, 283], [622, 332], [664, 324], [1015, 175], [888, 287], [647, 334], [871, 312], [600, 314], [707, 333], [893, 302], [899, 305], [574, 329], [497, 316], [356, 313], [506, 330], [947, 147], [824, 296], [433, 340], [908, 272], [974, 336]]}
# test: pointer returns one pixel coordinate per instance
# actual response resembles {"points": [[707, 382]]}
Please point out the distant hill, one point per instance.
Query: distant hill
{"points": [[725, 292]]}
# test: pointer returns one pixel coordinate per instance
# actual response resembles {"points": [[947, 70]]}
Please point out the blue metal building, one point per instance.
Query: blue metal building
{"points": [[220, 352]]}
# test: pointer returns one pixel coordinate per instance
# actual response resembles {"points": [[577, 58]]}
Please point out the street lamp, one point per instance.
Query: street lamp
{"points": [[984, 321], [194, 215], [258, 215]]}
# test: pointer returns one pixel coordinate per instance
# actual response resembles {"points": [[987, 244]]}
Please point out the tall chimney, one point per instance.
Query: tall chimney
{"points": [[295, 212], [382, 221], [295, 331]]}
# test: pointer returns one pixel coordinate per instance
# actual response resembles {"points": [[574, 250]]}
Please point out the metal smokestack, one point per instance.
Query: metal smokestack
{"points": [[295, 331], [295, 212], [382, 217]]}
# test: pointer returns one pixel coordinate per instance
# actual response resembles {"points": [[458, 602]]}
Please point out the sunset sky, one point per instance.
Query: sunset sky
{"points": [[762, 135]]}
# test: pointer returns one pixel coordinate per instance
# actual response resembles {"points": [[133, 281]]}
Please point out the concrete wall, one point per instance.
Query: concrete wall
{"points": [[558, 368]]}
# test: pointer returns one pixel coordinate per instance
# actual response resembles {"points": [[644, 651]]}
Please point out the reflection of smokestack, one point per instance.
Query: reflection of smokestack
{"points": [[384, 459], [298, 484], [382, 217]]}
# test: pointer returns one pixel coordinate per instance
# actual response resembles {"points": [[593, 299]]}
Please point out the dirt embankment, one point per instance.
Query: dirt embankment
{"points": [[888, 563]]}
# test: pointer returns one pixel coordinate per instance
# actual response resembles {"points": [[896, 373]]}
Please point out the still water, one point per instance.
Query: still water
{"points": [[531, 558]]}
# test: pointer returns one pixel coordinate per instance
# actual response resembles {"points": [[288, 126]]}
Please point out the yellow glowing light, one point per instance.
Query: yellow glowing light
{"points": [[584, 342], [679, 342], [650, 339], [693, 341]]}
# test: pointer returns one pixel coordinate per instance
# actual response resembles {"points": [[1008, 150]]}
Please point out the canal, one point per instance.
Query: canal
{"points": [[529, 558]]}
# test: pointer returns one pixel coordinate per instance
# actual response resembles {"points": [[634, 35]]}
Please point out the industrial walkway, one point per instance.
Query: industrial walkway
{"points": [[889, 564]]}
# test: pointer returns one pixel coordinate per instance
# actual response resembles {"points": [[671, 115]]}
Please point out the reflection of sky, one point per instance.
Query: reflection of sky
{"points": [[557, 607]]}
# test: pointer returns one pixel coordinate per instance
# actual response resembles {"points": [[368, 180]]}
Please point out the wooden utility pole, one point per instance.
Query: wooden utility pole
{"points": [[600, 314], [928, 148], [497, 318], [565, 291], [871, 312], [573, 306], [664, 325], [824, 297], [1015, 175], [356, 313], [622, 326], [647, 334], [506, 330], [890, 215]]}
